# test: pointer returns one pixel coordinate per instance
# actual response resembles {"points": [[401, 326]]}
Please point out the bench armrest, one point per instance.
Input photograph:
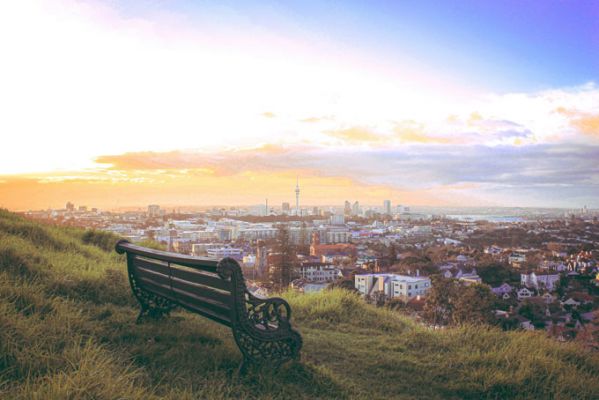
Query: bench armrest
{"points": [[269, 314]]}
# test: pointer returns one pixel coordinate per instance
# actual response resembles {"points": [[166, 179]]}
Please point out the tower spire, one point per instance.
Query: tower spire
{"points": [[297, 193]]}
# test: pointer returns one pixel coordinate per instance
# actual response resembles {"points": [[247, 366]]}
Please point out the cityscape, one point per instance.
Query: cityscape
{"points": [[214, 200], [544, 260]]}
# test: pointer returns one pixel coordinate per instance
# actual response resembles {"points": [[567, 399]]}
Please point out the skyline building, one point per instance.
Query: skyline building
{"points": [[297, 194]]}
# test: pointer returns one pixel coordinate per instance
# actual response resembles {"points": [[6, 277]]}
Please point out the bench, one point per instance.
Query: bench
{"points": [[162, 281]]}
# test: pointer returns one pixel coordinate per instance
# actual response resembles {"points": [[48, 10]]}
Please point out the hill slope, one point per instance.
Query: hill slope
{"points": [[67, 330]]}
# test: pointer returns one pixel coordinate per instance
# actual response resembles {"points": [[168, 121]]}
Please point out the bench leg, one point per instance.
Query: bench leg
{"points": [[243, 367], [146, 312], [141, 316]]}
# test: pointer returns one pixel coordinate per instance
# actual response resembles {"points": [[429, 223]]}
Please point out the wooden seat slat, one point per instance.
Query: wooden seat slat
{"points": [[201, 290], [154, 276], [153, 266], [221, 318], [200, 277], [160, 289], [199, 302]]}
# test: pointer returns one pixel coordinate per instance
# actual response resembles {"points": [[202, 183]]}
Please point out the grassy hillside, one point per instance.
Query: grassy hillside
{"points": [[67, 330]]}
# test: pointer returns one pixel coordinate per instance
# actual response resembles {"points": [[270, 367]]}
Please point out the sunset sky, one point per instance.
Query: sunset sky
{"points": [[471, 103]]}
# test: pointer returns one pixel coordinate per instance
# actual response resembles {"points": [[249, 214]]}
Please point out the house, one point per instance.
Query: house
{"points": [[318, 272], [469, 278], [466, 277], [393, 285], [570, 302], [516, 259], [548, 298], [523, 293], [525, 324], [502, 290], [493, 250], [539, 280]]}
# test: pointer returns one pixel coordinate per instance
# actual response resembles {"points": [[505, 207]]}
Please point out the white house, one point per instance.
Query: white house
{"points": [[494, 250], [319, 272], [223, 252], [524, 293], [516, 259], [393, 285], [571, 302], [539, 281]]}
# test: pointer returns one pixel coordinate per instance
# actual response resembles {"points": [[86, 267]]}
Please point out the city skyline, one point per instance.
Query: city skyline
{"points": [[123, 104]]}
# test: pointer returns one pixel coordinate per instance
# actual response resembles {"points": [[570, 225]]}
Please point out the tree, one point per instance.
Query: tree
{"points": [[474, 304], [534, 312], [392, 255], [285, 258], [438, 308], [562, 285], [495, 274]]}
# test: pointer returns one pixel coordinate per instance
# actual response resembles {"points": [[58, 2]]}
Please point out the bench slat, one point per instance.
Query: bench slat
{"points": [[218, 317], [154, 265], [205, 264], [202, 291], [157, 288], [203, 278], [197, 296], [202, 303], [153, 276]]}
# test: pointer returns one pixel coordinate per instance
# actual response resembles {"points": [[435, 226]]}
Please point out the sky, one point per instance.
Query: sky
{"points": [[465, 103]]}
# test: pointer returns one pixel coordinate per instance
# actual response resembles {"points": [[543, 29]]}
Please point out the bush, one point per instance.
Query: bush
{"points": [[103, 240]]}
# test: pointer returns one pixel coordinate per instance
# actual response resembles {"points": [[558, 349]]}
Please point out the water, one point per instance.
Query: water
{"points": [[483, 217]]}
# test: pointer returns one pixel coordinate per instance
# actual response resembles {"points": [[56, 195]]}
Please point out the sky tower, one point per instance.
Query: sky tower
{"points": [[297, 191]]}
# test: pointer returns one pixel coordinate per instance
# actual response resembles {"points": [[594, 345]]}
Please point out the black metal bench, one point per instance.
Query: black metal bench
{"points": [[214, 289]]}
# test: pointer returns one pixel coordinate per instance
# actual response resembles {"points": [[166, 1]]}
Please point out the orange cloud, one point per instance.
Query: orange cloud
{"points": [[356, 135], [268, 114], [585, 123], [220, 163]]}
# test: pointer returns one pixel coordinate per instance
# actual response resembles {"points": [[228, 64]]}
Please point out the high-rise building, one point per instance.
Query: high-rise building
{"points": [[285, 208], [387, 207], [347, 208], [355, 210], [337, 219], [70, 206], [153, 210], [297, 193]]}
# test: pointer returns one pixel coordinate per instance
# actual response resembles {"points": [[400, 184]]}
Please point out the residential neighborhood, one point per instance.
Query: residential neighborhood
{"points": [[542, 269]]}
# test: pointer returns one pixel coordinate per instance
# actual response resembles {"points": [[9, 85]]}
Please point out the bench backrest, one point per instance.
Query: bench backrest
{"points": [[191, 282]]}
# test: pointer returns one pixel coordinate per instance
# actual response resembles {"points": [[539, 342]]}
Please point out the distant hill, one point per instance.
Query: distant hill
{"points": [[67, 330]]}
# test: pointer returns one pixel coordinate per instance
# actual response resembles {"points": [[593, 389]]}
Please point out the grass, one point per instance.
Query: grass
{"points": [[67, 331]]}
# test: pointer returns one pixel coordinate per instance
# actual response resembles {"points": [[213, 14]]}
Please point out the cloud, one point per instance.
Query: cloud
{"points": [[317, 119], [552, 171], [356, 135], [268, 114], [584, 122], [412, 132]]}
